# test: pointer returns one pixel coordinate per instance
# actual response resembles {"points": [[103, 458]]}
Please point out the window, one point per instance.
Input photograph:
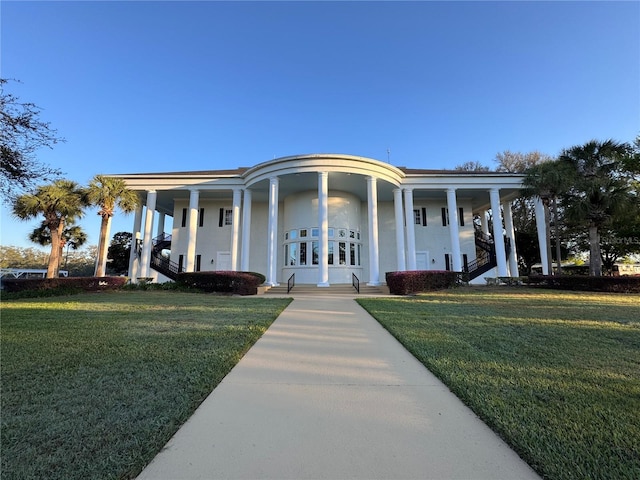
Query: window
{"points": [[226, 217], [330, 262], [342, 253], [293, 254], [314, 253], [286, 254], [342, 233], [417, 217], [330, 232], [303, 253], [293, 235], [445, 217], [184, 218], [314, 232], [303, 233], [352, 253], [201, 218]]}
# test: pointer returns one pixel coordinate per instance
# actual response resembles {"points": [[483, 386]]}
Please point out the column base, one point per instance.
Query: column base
{"points": [[323, 284]]}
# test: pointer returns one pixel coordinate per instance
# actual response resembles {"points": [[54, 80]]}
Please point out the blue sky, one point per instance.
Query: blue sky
{"points": [[139, 87]]}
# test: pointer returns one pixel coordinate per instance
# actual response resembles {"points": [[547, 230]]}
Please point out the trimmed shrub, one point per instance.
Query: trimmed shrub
{"points": [[623, 284], [416, 281], [239, 283], [63, 285]]}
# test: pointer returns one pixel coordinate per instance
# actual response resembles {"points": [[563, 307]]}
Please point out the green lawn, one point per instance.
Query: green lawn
{"points": [[556, 374], [94, 385]]}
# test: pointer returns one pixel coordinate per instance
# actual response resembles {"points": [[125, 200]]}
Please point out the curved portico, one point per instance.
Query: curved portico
{"points": [[322, 217]]}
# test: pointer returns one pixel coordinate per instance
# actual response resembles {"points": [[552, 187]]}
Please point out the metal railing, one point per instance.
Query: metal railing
{"points": [[355, 282], [291, 282]]}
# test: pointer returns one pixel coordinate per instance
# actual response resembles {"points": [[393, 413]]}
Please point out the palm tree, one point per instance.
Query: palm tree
{"points": [[548, 180], [107, 193], [57, 202], [599, 191], [72, 237]]}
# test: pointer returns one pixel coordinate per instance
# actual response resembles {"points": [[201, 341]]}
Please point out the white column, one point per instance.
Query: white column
{"points": [[484, 222], [134, 264], [161, 218], [511, 235], [411, 229], [454, 230], [397, 204], [192, 230], [246, 230], [148, 228], [541, 227], [272, 234], [235, 227], [323, 224], [372, 211], [498, 236]]}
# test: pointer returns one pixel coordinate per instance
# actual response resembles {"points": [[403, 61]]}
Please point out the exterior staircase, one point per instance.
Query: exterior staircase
{"points": [[485, 255], [339, 289], [160, 263]]}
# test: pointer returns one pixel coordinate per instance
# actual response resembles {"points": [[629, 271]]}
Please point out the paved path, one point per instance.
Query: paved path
{"points": [[327, 393]]}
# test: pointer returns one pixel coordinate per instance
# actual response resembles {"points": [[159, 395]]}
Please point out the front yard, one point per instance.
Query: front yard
{"points": [[556, 374]]}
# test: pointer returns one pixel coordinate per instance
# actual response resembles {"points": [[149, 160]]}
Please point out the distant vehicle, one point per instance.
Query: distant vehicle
{"points": [[28, 273]]}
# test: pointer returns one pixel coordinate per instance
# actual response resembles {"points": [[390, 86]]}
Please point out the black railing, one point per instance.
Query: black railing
{"points": [[355, 282], [161, 242], [291, 282], [164, 265], [484, 241]]}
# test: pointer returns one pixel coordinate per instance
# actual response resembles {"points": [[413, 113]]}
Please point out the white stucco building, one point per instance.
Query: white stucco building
{"points": [[324, 218]]}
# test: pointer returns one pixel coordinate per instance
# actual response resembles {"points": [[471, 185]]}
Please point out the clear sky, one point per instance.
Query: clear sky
{"points": [[139, 87]]}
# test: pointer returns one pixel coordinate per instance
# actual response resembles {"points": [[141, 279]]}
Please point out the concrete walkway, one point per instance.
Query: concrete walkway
{"points": [[327, 393]]}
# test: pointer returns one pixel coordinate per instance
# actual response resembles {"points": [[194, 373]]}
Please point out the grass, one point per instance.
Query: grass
{"points": [[94, 385], [556, 374]]}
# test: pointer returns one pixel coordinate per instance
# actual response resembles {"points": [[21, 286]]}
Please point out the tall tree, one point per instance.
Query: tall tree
{"points": [[119, 252], [600, 190], [72, 236], [21, 134], [107, 193], [55, 202], [472, 167]]}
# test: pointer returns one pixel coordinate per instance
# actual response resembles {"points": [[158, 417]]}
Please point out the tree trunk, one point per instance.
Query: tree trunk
{"points": [[595, 260], [54, 257], [547, 222], [102, 247]]}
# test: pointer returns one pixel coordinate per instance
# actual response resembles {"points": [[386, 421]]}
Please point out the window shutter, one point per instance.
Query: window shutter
{"points": [[447, 265], [461, 214], [198, 262], [201, 219], [184, 217], [424, 217], [444, 217], [221, 218]]}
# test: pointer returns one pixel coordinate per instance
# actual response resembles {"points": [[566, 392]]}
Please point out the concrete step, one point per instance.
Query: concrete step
{"points": [[340, 289]]}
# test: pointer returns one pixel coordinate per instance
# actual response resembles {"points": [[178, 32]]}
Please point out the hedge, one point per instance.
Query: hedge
{"points": [[622, 284], [239, 283], [416, 281], [83, 284]]}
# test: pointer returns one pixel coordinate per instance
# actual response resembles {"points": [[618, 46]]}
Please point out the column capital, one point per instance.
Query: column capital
{"points": [[451, 189]]}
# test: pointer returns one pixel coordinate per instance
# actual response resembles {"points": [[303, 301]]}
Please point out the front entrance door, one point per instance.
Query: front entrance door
{"points": [[223, 261]]}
